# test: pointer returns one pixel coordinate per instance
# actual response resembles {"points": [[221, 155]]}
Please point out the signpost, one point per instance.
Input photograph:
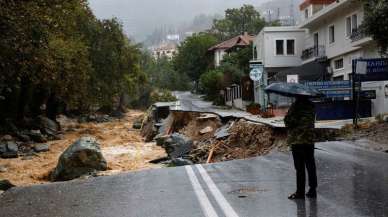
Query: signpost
{"points": [[257, 70], [259, 76], [368, 94], [292, 78], [333, 89], [366, 70]]}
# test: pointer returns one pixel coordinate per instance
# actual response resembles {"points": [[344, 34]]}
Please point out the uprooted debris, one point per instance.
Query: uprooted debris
{"points": [[176, 145], [243, 139], [201, 126], [214, 141]]}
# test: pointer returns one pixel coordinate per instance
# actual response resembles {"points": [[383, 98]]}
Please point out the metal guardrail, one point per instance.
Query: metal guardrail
{"points": [[316, 51]]}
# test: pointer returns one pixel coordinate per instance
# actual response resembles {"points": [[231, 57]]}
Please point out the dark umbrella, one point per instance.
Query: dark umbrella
{"points": [[293, 90]]}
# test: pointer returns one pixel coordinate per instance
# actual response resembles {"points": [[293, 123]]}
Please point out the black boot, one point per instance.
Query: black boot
{"points": [[312, 193], [296, 196]]}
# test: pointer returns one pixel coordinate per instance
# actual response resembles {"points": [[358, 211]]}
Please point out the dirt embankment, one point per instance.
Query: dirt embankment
{"points": [[218, 140], [245, 139], [122, 146]]}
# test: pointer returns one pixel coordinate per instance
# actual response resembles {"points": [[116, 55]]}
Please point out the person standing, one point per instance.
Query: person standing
{"points": [[300, 121]]}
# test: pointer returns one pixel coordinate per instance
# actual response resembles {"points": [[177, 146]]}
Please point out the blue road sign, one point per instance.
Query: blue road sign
{"points": [[376, 69], [333, 89]]}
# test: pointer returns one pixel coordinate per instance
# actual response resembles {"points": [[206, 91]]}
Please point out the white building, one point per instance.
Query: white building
{"points": [[168, 50], [277, 49], [334, 36], [228, 46]]}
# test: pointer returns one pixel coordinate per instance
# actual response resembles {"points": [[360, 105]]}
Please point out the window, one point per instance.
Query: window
{"points": [[291, 47], [351, 24], [279, 47], [306, 13], [285, 47], [348, 26], [316, 39], [339, 64], [354, 22], [331, 34]]}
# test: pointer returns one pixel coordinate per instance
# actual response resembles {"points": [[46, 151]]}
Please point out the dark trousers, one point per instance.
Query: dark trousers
{"points": [[304, 158]]}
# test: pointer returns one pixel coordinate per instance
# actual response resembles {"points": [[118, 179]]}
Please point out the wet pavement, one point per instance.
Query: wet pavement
{"points": [[353, 182]]}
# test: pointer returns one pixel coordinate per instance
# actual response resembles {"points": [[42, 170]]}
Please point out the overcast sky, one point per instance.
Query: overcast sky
{"points": [[141, 17]]}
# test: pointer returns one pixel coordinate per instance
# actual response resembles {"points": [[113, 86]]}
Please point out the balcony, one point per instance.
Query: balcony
{"points": [[314, 52], [357, 34]]}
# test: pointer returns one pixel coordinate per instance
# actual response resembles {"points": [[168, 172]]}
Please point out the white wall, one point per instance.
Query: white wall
{"points": [[265, 45], [343, 47], [273, 60], [342, 43], [380, 104]]}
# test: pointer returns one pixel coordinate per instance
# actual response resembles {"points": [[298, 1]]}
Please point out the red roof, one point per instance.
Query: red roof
{"points": [[241, 40], [306, 3]]}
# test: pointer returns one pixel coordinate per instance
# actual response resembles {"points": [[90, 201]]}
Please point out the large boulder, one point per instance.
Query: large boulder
{"points": [[34, 135], [5, 185], [81, 158], [176, 145], [9, 149], [48, 126], [41, 148]]}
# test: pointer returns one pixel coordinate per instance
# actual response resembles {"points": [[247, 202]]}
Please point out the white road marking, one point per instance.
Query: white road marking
{"points": [[207, 207], [222, 202]]}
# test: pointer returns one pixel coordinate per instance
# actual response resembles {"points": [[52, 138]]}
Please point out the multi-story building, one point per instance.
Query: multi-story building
{"points": [[334, 38], [168, 50], [277, 49], [334, 35]]}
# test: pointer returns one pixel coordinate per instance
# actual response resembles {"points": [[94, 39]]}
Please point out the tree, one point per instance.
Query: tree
{"points": [[211, 83], [240, 58], [237, 21], [57, 53], [376, 22], [193, 57], [162, 75]]}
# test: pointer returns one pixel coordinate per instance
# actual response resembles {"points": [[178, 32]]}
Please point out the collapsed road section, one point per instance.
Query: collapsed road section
{"points": [[203, 137]]}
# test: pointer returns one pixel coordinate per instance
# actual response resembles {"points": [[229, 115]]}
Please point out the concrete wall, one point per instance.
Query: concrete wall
{"points": [[380, 104], [265, 46], [273, 60]]}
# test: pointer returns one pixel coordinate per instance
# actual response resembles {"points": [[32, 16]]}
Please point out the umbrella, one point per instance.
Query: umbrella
{"points": [[293, 90]]}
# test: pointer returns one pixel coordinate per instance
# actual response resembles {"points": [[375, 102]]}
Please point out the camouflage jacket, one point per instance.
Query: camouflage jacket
{"points": [[300, 121]]}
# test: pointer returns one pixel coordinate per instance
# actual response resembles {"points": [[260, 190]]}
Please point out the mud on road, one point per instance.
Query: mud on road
{"points": [[122, 146]]}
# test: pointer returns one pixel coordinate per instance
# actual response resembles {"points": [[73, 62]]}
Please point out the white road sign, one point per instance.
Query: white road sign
{"points": [[256, 74], [292, 79]]}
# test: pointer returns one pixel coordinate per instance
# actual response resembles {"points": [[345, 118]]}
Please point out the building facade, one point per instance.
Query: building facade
{"points": [[167, 50], [277, 49], [228, 46], [334, 35]]}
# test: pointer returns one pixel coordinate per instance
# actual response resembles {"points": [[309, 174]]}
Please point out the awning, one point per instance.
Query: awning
{"points": [[312, 71]]}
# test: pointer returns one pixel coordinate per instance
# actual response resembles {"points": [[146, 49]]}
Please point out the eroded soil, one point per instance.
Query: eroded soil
{"points": [[122, 146]]}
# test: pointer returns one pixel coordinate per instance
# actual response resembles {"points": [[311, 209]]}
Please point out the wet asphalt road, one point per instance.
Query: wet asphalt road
{"points": [[353, 182]]}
